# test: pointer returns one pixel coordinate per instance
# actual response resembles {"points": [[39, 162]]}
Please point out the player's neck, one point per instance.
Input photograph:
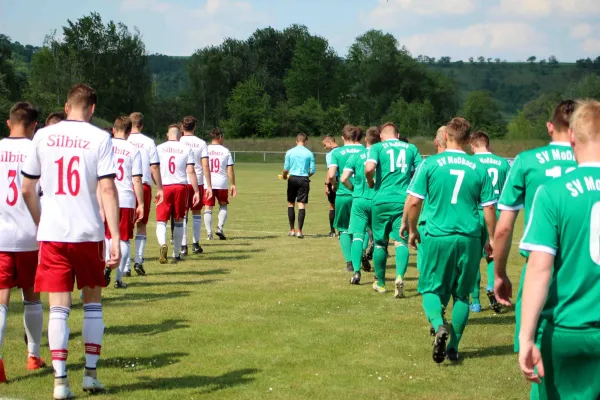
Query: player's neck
{"points": [[18, 132], [79, 115], [119, 136], [300, 144], [559, 137], [135, 130], [454, 146], [481, 150], [188, 133], [590, 153], [389, 138]]}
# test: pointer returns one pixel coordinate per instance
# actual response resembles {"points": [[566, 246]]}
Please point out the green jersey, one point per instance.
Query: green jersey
{"points": [[339, 157], [395, 160], [565, 222], [356, 164], [497, 169], [455, 185]]}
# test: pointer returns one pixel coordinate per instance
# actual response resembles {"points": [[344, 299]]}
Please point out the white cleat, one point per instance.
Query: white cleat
{"points": [[63, 392], [209, 237], [399, 293], [92, 385]]}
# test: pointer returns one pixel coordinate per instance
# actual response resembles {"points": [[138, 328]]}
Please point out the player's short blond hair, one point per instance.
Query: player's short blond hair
{"points": [[585, 121], [459, 130], [439, 136]]}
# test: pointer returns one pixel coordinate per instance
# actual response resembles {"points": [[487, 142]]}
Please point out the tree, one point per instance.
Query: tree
{"points": [[531, 59], [249, 111], [471, 60], [481, 59], [552, 60], [530, 123], [483, 113]]}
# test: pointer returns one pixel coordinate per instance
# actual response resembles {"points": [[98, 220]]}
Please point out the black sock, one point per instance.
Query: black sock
{"points": [[301, 215], [331, 218], [291, 217]]}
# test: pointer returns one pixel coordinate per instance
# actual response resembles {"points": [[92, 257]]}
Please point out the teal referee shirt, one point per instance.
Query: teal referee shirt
{"points": [[299, 161]]}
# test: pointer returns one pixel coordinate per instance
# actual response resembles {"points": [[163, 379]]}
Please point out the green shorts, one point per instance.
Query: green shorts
{"points": [[360, 216], [449, 265], [387, 218], [343, 207], [571, 363], [422, 231]]}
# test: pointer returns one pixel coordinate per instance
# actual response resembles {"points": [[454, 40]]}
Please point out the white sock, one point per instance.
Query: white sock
{"points": [[3, 315], [222, 217], [184, 236], [93, 331], [140, 246], [177, 235], [125, 250], [197, 226], [58, 339], [128, 262], [208, 221], [161, 233], [33, 319], [106, 249]]}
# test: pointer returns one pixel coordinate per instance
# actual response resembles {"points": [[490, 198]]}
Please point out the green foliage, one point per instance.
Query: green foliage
{"points": [[412, 119], [530, 123], [249, 111], [483, 113]]}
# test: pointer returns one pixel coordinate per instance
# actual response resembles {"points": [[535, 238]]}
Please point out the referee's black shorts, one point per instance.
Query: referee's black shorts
{"points": [[298, 188], [331, 195]]}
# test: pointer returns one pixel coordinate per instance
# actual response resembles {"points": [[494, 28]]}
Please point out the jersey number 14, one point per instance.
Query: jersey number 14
{"points": [[399, 163]]}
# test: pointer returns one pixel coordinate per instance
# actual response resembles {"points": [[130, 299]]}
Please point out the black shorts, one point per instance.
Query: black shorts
{"points": [[331, 195], [298, 188]]}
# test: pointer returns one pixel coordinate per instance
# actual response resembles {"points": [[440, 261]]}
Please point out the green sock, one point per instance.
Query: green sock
{"points": [[365, 241], [460, 315], [432, 305], [346, 245], [476, 289], [357, 251], [490, 274], [379, 260], [401, 260]]}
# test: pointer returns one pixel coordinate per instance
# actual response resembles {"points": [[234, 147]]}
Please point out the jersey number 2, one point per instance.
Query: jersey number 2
{"points": [[460, 175], [12, 176]]}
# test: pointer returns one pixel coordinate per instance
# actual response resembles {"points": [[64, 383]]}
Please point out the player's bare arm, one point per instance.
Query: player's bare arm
{"points": [[110, 201], [285, 174], [31, 198], [138, 188], [404, 228], [207, 178], [331, 173], [100, 205], [155, 171], [231, 176], [193, 179], [489, 215], [346, 179], [370, 168], [502, 242], [535, 291], [413, 210]]}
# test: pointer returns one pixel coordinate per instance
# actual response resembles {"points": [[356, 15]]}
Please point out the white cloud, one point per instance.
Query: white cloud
{"points": [[389, 13], [581, 31], [543, 8], [591, 46]]}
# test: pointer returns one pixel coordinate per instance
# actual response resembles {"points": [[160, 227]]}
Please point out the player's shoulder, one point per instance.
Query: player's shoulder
{"points": [[532, 154], [10, 143]]}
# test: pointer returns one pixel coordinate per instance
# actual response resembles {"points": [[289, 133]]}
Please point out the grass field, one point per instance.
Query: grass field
{"points": [[266, 316]]}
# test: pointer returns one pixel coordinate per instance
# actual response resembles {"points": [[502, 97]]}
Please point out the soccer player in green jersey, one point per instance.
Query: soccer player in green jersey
{"points": [[530, 170], [351, 136], [455, 185], [360, 217], [329, 144], [560, 327], [388, 169], [497, 169]]}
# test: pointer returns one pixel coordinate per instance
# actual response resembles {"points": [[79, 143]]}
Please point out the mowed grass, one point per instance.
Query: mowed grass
{"points": [[262, 315]]}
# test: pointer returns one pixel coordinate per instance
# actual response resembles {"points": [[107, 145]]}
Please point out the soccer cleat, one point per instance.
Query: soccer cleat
{"points": [[431, 330], [2, 372], [163, 254], [299, 235], [127, 274], [209, 236], [497, 307], [292, 233], [177, 259], [184, 250], [107, 276], [355, 280], [139, 269], [378, 289], [62, 392], [34, 363], [197, 249], [220, 234], [452, 355], [332, 234], [120, 285], [399, 291], [92, 385], [364, 262], [439, 345], [349, 267], [476, 308]]}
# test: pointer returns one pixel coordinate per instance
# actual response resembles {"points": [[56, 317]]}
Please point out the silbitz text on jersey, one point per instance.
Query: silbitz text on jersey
{"points": [[66, 141]]}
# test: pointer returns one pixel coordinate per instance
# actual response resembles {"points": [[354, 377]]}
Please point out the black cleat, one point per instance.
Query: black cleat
{"points": [[25, 337], [439, 345], [177, 259], [355, 280], [452, 355], [497, 307], [197, 249], [127, 274], [107, 272], [431, 330], [220, 234], [370, 251], [332, 234], [120, 285], [349, 267], [184, 250], [366, 265], [139, 269]]}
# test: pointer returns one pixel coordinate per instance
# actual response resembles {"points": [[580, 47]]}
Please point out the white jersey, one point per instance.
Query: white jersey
{"points": [[219, 158], [17, 229], [174, 158], [200, 150], [70, 158], [128, 162], [147, 149]]}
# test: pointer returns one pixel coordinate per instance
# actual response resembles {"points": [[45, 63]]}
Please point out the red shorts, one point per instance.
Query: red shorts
{"points": [[221, 196], [126, 223], [147, 201], [60, 263], [18, 269], [190, 189], [175, 202]]}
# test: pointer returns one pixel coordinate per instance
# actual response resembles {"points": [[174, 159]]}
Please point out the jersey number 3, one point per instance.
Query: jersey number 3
{"points": [[12, 200]]}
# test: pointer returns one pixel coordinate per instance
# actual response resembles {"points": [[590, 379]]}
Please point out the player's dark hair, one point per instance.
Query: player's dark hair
{"points": [[373, 135], [82, 95], [480, 139], [348, 132], [137, 119], [216, 133], [123, 124], [178, 126], [329, 138], [189, 123], [403, 139], [358, 134], [55, 117], [301, 138], [459, 129], [562, 115], [23, 113]]}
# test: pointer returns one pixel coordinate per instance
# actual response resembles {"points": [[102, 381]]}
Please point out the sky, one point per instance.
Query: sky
{"points": [[508, 29]]}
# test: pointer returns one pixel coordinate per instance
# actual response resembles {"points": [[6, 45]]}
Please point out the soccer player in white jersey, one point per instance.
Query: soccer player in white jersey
{"points": [[151, 172], [200, 150], [176, 170], [18, 243], [129, 186], [73, 158], [221, 174]]}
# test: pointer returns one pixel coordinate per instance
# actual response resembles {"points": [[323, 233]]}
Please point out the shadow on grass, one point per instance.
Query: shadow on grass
{"points": [[492, 320], [233, 257], [491, 351], [127, 298], [206, 384], [148, 329], [266, 237], [177, 283], [209, 253], [219, 271]]}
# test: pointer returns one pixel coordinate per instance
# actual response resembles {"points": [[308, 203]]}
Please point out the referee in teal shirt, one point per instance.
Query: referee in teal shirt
{"points": [[298, 168]]}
